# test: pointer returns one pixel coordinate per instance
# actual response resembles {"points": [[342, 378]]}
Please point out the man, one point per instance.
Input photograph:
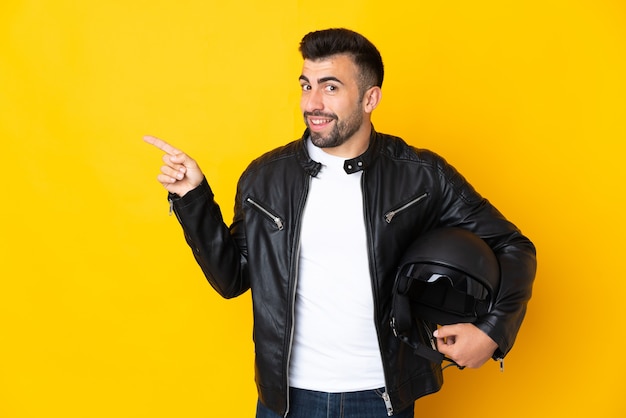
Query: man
{"points": [[319, 227]]}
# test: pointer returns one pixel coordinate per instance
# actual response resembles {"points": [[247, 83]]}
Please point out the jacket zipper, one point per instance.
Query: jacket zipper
{"points": [[273, 218], [389, 215], [293, 292], [385, 395], [388, 405]]}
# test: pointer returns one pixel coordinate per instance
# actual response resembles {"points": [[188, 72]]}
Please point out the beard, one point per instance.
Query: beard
{"points": [[342, 130]]}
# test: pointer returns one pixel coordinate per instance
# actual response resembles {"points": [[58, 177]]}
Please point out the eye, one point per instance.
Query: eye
{"points": [[330, 88], [305, 87]]}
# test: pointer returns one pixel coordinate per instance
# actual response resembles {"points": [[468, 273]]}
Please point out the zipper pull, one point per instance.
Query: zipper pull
{"points": [[274, 218], [171, 206], [501, 360], [388, 405], [389, 216]]}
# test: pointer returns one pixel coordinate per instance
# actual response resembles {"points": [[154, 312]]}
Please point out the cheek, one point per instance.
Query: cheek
{"points": [[348, 109]]}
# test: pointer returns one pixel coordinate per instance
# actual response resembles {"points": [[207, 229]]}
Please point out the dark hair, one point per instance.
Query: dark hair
{"points": [[325, 43]]}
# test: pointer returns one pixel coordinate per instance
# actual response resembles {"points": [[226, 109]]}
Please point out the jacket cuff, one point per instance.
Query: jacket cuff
{"points": [[201, 192]]}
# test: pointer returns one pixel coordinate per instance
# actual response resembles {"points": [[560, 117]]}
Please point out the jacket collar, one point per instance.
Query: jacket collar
{"points": [[351, 165]]}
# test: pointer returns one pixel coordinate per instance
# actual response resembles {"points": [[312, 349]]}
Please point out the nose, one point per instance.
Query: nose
{"points": [[312, 101]]}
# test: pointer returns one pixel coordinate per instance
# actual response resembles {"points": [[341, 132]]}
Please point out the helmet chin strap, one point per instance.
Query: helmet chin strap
{"points": [[401, 322]]}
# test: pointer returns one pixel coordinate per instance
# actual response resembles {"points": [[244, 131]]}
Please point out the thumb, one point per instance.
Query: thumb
{"points": [[443, 331], [179, 158], [184, 160], [446, 335]]}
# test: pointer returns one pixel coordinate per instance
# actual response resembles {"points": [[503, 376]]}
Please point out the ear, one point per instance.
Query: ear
{"points": [[371, 99]]}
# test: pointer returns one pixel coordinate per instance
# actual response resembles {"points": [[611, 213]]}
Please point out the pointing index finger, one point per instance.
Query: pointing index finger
{"points": [[162, 145]]}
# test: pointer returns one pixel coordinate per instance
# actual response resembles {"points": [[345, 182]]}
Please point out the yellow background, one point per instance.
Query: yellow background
{"points": [[103, 312]]}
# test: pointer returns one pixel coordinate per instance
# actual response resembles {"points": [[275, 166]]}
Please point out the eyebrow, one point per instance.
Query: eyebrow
{"points": [[321, 80]]}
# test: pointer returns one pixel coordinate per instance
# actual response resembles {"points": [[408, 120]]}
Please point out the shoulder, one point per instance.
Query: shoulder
{"points": [[424, 162], [277, 161], [400, 157], [275, 155], [396, 148]]}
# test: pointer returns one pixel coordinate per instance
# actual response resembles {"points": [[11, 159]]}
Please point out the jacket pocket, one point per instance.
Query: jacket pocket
{"points": [[404, 207], [267, 213]]}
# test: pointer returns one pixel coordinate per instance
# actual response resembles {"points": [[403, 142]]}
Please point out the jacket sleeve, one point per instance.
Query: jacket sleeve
{"points": [[219, 250], [462, 206]]}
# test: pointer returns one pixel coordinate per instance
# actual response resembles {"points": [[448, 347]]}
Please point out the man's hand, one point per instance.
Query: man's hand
{"points": [[466, 344], [180, 173]]}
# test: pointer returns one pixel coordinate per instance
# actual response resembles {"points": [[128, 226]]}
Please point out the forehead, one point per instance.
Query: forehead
{"points": [[341, 66]]}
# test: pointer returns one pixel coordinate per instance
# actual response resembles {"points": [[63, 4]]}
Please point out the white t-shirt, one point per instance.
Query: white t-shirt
{"points": [[335, 347]]}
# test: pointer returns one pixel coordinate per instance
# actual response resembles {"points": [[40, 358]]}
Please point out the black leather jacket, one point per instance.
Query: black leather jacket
{"points": [[406, 191]]}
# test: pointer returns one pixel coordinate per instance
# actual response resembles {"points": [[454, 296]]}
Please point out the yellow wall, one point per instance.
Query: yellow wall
{"points": [[102, 310]]}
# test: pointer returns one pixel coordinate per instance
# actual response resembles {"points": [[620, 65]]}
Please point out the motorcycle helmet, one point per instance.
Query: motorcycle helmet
{"points": [[447, 276]]}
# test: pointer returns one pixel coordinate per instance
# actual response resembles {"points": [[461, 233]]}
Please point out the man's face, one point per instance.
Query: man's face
{"points": [[331, 102]]}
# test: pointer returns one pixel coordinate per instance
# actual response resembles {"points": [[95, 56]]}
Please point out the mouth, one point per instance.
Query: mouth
{"points": [[317, 122]]}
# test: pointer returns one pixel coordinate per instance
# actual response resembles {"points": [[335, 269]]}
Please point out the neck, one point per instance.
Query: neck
{"points": [[356, 145]]}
